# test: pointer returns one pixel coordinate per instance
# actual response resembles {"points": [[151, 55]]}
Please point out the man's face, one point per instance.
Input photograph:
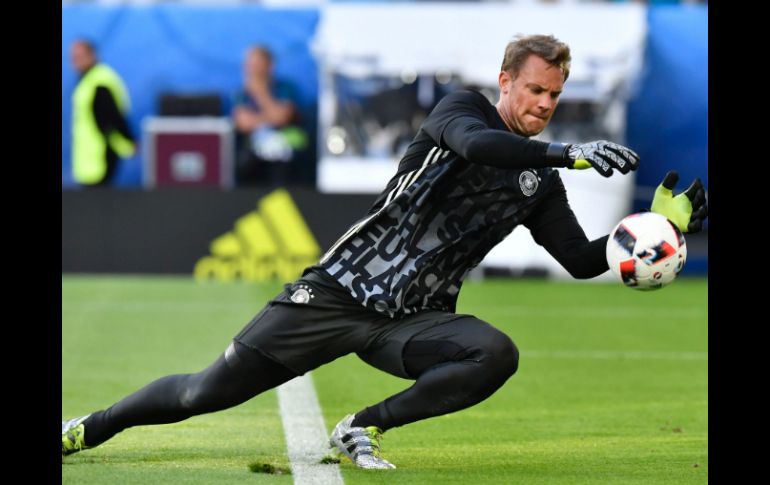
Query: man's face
{"points": [[81, 56], [257, 64], [527, 102]]}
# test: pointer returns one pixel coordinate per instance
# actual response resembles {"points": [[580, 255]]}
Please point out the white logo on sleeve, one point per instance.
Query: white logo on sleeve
{"points": [[302, 294]]}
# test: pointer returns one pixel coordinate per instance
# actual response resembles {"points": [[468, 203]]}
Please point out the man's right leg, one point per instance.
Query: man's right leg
{"points": [[235, 377], [456, 360], [456, 364]]}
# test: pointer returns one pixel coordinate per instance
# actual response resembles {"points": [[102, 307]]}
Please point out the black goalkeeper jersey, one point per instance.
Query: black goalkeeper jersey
{"points": [[441, 214]]}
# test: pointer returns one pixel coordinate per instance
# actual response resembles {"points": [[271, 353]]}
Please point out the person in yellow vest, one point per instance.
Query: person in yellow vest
{"points": [[100, 132]]}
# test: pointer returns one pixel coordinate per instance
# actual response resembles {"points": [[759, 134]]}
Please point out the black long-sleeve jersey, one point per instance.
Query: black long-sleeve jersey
{"points": [[463, 185]]}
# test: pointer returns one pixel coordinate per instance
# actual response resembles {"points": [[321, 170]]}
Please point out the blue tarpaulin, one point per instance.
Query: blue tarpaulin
{"points": [[668, 116]]}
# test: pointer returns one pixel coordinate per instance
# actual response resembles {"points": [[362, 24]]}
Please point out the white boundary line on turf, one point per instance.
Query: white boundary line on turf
{"points": [[306, 438], [614, 354]]}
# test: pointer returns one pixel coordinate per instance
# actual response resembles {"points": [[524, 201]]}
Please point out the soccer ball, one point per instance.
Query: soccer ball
{"points": [[646, 251]]}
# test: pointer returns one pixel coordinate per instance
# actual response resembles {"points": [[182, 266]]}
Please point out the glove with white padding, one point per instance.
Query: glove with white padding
{"points": [[602, 155]]}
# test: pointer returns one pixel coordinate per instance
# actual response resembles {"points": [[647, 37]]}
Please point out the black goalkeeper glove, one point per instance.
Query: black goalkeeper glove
{"points": [[603, 156], [687, 210]]}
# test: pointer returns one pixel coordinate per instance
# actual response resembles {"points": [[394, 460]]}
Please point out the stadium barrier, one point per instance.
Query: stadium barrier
{"points": [[252, 234]]}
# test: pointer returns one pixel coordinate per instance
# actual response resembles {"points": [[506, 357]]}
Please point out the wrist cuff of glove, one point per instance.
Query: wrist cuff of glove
{"points": [[556, 155]]}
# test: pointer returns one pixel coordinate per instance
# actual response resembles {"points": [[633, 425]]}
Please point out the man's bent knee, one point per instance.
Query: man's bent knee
{"points": [[501, 356]]}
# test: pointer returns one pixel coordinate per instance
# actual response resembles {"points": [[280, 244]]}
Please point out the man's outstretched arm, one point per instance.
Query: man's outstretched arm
{"points": [[555, 227], [459, 123]]}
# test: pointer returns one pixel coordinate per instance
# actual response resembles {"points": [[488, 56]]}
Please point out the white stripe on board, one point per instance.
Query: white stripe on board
{"points": [[306, 437]]}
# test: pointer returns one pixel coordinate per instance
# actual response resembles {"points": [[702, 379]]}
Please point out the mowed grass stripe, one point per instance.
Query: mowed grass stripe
{"points": [[109, 352], [559, 420]]}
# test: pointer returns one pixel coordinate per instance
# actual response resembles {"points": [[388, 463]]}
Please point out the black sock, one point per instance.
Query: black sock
{"points": [[370, 417]]}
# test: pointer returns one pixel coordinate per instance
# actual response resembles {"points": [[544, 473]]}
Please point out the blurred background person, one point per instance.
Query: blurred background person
{"points": [[100, 132], [266, 119]]}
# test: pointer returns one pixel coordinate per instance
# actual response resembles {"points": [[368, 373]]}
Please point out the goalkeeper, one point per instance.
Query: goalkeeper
{"points": [[387, 288]]}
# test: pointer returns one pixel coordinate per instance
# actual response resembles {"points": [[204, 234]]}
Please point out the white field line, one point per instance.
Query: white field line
{"points": [[155, 305], [617, 312], [306, 437], [574, 312], [614, 354]]}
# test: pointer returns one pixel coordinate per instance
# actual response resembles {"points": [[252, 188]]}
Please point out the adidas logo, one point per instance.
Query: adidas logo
{"points": [[270, 242]]}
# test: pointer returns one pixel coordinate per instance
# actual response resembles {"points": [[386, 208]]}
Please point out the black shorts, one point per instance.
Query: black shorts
{"points": [[315, 320]]}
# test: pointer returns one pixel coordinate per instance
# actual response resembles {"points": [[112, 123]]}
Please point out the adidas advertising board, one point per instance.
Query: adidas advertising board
{"points": [[272, 241], [241, 234]]}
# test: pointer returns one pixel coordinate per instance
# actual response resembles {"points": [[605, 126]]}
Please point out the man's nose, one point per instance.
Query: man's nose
{"points": [[545, 103]]}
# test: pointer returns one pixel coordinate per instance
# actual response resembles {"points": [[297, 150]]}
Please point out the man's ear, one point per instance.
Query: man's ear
{"points": [[503, 80]]}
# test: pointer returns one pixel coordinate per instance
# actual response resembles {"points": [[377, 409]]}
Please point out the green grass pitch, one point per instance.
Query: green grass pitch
{"points": [[612, 387]]}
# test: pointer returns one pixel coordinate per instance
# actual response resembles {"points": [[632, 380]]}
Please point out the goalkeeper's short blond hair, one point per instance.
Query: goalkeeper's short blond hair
{"points": [[548, 47]]}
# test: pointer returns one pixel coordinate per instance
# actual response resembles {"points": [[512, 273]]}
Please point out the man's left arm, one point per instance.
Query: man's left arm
{"points": [[554, 226], [107, 114]]}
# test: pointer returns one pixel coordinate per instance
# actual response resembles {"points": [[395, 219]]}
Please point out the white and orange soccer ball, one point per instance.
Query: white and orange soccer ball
{"points": [[646, 251]]}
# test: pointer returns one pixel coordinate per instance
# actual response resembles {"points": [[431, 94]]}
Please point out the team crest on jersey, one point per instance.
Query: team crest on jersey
{"points": [[302, 294], [528, 183]]}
